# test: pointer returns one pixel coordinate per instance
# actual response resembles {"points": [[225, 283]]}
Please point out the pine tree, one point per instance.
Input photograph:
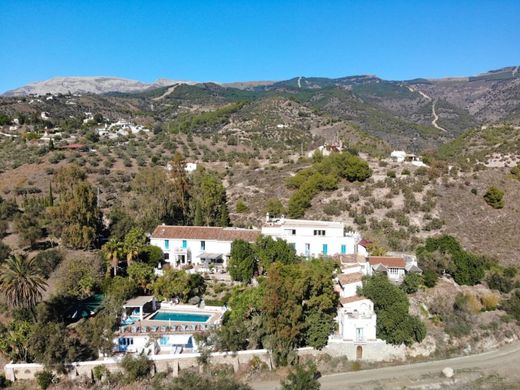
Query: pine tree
{"points": [[51, 196]]}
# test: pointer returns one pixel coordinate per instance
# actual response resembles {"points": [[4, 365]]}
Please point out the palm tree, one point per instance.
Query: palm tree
{"points": [[113, 250], [135, 241], [21, 281]]}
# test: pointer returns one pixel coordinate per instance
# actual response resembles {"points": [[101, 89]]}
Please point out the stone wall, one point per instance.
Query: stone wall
{"points": [[162, 363], [372, 351]]}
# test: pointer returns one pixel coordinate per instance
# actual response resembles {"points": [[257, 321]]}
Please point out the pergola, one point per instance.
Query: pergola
{"points": [[138, 304]]}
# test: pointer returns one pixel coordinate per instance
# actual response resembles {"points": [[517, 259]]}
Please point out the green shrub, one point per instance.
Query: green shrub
{"points": [[430, 278], [499, 282], [515, 171], [4, 382], [241, 207], [411, 283], [45, 379], [136, 368], [494, 197], [512, 305], [99, 372]]}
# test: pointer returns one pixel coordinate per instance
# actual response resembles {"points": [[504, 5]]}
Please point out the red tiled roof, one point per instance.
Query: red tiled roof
{"points": [[389, 262], [350, 278], [364, 242], [205, 233], [355, 298]]}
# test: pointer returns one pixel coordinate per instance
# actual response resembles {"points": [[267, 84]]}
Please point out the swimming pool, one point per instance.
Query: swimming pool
{"points": [[180, 317]]}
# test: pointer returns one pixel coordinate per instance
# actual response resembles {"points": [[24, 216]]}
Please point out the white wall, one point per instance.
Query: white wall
{"points": [[357, 315], [397, 277], [350, 289], [138, 344], [193, 248], [334, 238]]}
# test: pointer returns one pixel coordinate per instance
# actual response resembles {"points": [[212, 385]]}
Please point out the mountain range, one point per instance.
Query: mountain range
{"points": [[417, 114]]}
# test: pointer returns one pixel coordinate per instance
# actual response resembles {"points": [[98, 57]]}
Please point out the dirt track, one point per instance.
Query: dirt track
{"points": [[502, 361]]}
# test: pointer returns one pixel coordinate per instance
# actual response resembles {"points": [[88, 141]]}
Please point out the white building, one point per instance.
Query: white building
{"points": [[401, 156], [395, 267], [314, 238], [199, 245], [357, 319]]}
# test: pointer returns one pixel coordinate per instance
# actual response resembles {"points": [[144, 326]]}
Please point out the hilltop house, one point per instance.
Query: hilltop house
{"points": [[198, 245], [314, 238]]}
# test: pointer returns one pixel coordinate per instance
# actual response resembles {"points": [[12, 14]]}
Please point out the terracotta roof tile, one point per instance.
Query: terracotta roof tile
{"points": [[205, 233], [389, 262], [355, 298], [350, 278]]}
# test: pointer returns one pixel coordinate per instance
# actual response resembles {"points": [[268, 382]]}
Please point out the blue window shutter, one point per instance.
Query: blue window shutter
{"points": [[184, 244], [325, 249], [343, 249], [166, 244]]}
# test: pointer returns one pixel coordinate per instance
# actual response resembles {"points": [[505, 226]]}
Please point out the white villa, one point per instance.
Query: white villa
{"points": [[198, 245], [314, 238], [151, 327]]}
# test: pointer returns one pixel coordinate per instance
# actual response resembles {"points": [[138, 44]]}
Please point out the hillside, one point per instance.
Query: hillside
{"points": [[259, 135]]}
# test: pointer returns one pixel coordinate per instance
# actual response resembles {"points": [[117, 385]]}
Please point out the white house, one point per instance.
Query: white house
{"points": [[349, 283], [357, 319], [401, 156], [198, 245], [394, 267], [314, 238]]}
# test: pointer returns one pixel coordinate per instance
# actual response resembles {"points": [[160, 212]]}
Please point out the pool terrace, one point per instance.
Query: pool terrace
{"points": [[173, 318]]}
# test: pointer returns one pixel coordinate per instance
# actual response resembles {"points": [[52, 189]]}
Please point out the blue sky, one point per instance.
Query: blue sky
{"points": [[254, 40]]}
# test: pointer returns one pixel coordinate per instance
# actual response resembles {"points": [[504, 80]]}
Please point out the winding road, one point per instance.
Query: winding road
{"points": [[436, 118], [434, 114], [504, 360]]}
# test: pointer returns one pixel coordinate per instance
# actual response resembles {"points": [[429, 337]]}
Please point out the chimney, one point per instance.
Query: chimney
{"points": [[267, 217]]}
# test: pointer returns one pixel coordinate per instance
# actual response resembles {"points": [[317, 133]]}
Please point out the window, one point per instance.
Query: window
{"points": [[393, 271], [325, 249], [203, 245], [343, 249], [184, 244], [307, 249], [292, 245], [126, 341], [166, 245], [319, 232], [290, 232], [359, 334]]}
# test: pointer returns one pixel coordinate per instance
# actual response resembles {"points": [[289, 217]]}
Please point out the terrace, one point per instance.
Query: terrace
{"points": [[168, 317]]}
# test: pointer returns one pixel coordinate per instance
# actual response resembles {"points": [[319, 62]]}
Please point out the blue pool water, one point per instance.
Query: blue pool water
{"points": [[182, 317]]}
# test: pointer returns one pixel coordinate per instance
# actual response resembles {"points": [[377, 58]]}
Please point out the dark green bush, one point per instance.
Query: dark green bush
{"points": [[494, 197], [430, 278]]}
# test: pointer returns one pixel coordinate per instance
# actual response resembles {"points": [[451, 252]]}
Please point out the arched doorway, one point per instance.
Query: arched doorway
{"points": [[359, 352]]}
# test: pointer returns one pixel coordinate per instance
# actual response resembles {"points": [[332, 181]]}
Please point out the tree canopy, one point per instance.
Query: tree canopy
{"points": [[394, 323]]}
